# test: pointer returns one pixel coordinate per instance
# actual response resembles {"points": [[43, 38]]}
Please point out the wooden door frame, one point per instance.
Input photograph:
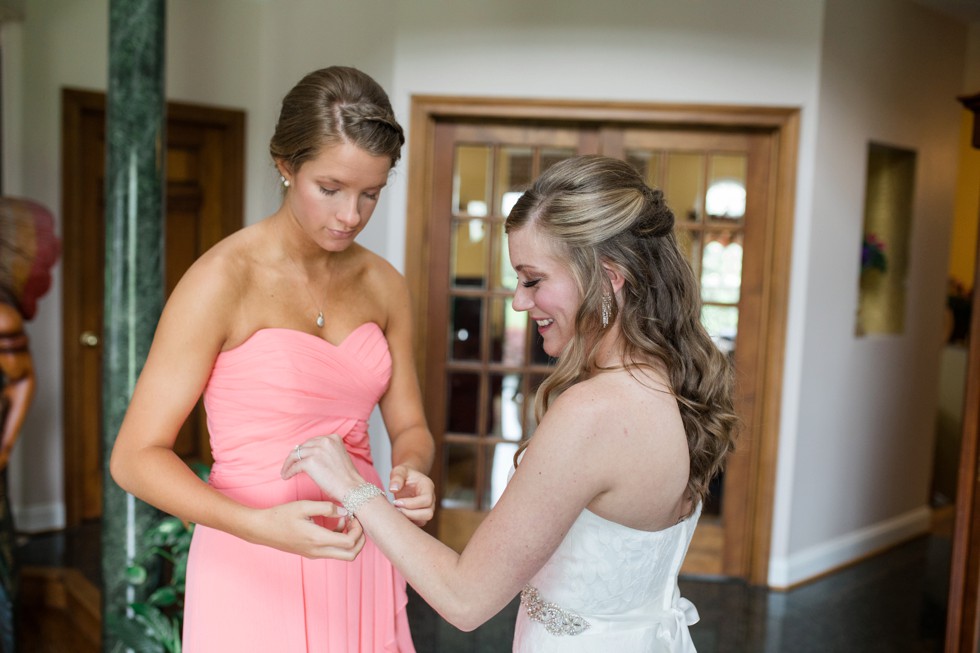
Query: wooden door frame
{"points": [[74, 104], [756, 459], [963, 605]]}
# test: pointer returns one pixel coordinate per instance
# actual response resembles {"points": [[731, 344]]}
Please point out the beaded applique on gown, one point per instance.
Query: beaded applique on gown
{"points": [[608, 587], [265, 396]]}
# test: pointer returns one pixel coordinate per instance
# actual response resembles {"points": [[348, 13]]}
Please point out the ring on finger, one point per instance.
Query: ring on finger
{"points": [[298, 450]]}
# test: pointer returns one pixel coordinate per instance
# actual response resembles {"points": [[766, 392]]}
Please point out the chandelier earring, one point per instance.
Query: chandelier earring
{"points": [[606, 308]]}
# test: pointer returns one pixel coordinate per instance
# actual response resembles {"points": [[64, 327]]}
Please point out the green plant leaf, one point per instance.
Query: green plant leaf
{"points": [[179, 571], [176, 645], [158, 626], [131, 635], [164, 597], [169, 525], [155, 624], [203, 471], [136, 574]]}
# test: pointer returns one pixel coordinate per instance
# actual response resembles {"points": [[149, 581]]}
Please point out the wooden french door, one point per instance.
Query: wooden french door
{"points": [[205, 170], [483, 361], [719, 185]]}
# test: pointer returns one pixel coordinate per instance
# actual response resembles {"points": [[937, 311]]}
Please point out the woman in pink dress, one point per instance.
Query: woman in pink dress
{"points": [[289, 329]]}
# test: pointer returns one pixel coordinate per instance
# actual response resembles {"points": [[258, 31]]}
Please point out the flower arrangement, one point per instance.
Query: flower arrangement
{"points": [[873, 254]]}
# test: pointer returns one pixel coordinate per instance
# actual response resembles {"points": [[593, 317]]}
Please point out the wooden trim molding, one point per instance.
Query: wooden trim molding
{"points": [[963, 609]]}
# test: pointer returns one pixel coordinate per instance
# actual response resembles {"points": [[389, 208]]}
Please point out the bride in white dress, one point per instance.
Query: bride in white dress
{"points": [[634, 422]]}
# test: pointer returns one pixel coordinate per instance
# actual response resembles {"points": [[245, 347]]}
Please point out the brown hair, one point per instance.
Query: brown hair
{"points": [[331, 106], [597, 210]]}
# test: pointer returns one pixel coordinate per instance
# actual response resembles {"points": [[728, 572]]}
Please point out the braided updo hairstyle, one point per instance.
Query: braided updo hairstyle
{"points": [[597, 210], [331, 106]]}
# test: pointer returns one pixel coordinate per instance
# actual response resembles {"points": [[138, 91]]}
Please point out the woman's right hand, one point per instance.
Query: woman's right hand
{"points": [[312, 529]]}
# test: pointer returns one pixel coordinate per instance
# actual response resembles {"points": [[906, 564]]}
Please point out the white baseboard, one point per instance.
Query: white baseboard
{"points": [[809, 563], [39, 518]]}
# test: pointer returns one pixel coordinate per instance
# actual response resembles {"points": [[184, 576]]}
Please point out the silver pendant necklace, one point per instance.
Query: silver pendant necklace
{"points": [[319, 312]]}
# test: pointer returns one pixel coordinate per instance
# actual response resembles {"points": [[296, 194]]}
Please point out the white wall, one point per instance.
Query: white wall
{"points": [[666, 51], [869, 449], [854, 468]]}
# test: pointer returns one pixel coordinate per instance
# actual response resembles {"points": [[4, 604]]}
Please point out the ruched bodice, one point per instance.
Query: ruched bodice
{"points": [[622, 581], [281, 387], [273, 391]]}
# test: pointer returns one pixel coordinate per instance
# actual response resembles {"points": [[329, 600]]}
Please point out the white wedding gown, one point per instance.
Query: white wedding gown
{"points": [[620, 581]]}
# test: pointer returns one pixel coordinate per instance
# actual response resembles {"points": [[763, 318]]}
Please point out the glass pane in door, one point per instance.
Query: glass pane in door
{"points": [[725, 197], [505, 401], [647, 163], [684, 185], [465, 328], [551, 156], [514, 174], [471, 180], [460, 465], [498, 461], [721, 323], [507, 333], [469, 253], [502, 274], [721, 267], [462, 403], [689, 241]]}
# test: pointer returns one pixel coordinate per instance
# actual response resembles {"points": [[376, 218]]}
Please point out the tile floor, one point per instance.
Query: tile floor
{"points": [[892, 603]]}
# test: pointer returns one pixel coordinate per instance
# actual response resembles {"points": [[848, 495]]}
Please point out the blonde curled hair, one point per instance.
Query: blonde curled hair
{"points": [[598, 210]]}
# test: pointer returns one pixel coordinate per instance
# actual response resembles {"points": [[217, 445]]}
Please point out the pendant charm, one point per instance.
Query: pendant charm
{"points": [[319, 320]]}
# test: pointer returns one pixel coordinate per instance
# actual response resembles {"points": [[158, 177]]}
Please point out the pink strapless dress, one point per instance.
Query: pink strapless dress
{"points": [[267, 395]]}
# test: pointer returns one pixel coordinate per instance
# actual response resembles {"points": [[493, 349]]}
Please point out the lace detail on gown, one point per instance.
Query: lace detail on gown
{"points": [[621, 581]]}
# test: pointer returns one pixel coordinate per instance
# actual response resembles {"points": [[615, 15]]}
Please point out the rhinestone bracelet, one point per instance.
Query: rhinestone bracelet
{"points": [[360, 495]]}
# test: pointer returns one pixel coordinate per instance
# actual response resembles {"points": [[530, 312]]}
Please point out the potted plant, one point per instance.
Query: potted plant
{"points": [[153, 625]]}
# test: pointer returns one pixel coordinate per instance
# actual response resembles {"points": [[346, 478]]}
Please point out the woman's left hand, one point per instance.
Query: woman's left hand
{"points": [[415, 493], [324, 459]]}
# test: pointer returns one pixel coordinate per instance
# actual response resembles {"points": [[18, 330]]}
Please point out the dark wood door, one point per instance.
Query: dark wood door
{"points": [[963, 615], [205, 169]]}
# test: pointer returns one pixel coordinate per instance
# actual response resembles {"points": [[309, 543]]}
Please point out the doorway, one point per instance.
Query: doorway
{"points": [[471, 158], [204, 188]]}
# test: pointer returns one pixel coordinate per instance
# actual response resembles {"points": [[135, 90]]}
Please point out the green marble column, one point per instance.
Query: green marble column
{"points": [[134, 274]]}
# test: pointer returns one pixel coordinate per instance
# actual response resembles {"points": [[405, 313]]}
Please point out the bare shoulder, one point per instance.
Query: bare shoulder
{"points": [[379, 272], [234, 254], [380, 286], [607, 394], [214, 285], [628, 426], [577, 418], [583, 403], [617, 405]]}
